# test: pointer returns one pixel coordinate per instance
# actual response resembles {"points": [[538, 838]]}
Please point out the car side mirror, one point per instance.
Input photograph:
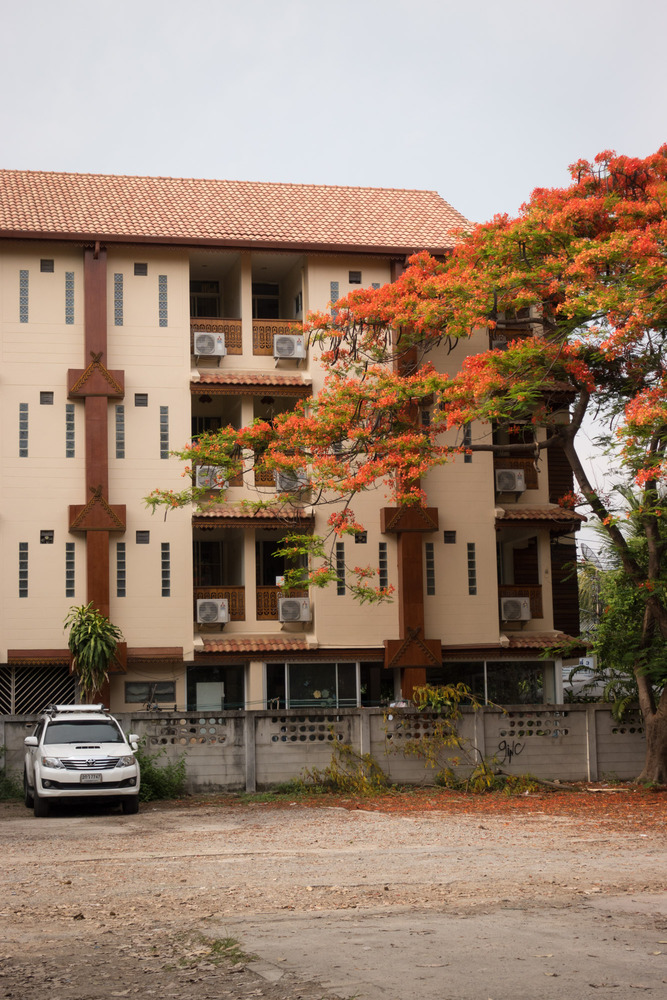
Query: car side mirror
{"points": [[31, 741], [133, 740]]}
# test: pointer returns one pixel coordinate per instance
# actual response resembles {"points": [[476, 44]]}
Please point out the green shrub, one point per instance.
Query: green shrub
{"points": [[160, 780], [10, 785]]}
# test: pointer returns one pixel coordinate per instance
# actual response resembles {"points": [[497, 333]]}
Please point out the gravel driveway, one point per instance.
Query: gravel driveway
{"points": [[329, 902]]}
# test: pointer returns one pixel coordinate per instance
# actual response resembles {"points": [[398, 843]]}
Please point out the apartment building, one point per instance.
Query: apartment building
{"points": [[138, 312]]}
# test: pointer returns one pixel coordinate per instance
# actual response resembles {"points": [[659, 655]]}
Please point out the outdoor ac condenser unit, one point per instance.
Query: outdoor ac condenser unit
{"points": [[210, 344], [210, 477], [290, 482], [211, 610], [294, 609], [515, 609], [510, 481], [289, 345]]}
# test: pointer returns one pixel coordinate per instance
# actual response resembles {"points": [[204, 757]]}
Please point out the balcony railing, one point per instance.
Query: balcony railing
{"points": [[264, 330], [534, 592], [525, 464], [267, 601], [230, 328], [234, 595]]}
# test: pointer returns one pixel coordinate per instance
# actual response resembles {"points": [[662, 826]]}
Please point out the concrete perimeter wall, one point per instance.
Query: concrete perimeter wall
{"points": [[251, 750]]}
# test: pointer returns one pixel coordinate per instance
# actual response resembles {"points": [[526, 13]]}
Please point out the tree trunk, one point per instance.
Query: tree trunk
{"points": [[655, 727]]}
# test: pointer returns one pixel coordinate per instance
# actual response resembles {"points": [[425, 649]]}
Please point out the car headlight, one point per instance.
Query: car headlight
{"points": [[52, 762], [125, 761]]}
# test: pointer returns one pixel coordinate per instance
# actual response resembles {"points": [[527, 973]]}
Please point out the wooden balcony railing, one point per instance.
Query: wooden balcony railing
{"points": [[534, 592], [231, 328], [264, 477], [235, 596], [267, 601], [263, 331], [526, 464]]}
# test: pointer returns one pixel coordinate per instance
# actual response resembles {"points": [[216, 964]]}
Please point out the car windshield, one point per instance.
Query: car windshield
{"points": [[83, 731]]}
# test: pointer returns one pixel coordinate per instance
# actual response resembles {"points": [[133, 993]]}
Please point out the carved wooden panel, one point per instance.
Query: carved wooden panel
{"points": [[525, 464], [532, 592], [234, 595], [230, 328], [263, 332]]}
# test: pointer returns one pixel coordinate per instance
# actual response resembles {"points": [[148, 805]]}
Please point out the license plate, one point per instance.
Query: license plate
{"points": [[91, 779]]}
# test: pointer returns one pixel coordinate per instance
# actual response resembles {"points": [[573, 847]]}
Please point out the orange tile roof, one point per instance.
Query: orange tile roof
{"points": [[295, 383], [219, 212], [551, 513], [537, 640], [241, 513], [277, 644]]}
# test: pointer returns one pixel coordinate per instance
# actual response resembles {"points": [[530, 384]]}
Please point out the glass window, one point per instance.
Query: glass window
{"points": [[321, 685], [470, 673], [211, 689], [144, 692], [516, 682], [83, 731], [377, 685]]}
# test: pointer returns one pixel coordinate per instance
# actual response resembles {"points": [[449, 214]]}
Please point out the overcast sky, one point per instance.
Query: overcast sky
{"points": [[481, 100]]}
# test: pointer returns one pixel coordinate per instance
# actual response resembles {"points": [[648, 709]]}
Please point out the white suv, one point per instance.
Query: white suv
{"points": [[80, 751]]}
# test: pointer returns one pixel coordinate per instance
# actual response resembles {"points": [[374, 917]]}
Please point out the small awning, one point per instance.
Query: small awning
{"points": [[253, 383], [556, 519], [239, 515]]}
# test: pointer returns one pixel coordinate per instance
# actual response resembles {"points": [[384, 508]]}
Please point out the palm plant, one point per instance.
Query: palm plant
{"points": [[92, 641]]}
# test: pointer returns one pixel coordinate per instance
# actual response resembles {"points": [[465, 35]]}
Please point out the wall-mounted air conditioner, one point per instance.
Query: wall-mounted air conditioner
{"points": [[212, 610], [294, 609], [515, 609], [498, 343], [290, 482], [510, 481], [210, 477], [289, 345], [212, 344]]}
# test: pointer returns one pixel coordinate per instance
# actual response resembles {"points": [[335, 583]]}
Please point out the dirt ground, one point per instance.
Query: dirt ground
{"points": [[334, 900]]}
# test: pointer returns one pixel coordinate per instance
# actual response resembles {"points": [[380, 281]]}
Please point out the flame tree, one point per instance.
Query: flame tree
{"points": [[586, 265]]}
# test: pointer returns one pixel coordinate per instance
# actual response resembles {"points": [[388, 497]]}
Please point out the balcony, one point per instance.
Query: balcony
{"points": [[264, 330], [229, 328], [525, 465], [267, 601], [532, 591]]}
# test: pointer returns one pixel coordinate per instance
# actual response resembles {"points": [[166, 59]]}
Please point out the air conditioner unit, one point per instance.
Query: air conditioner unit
{"points": [[498, 343], [515, 609], [510, 481], [289, 345], [294, 609], [290, 482], [212, 610], [210, 477], [209, 343]]}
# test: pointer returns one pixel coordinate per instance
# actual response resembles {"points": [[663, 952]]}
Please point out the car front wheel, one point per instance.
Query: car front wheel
{"points": [[40, 806], [130, 806], [27, 794]]}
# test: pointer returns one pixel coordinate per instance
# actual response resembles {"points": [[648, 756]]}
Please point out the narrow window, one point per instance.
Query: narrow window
{"points": [[143, 537], [23, 569], [449, 537], [165, 559], [120, 430], [118, 299], [141, 399], [430, 568], [69, 430], [426, 418], [333, 296], [120, 569], [23, 296], [472, 569], [69, 298], [46, 266], [162, 299], [383, 565], [467, 443], [46, 398], [141, 270], [354, 277], [340, 568], [164, 432], [69, 568], [375, 285], [23, 430]]}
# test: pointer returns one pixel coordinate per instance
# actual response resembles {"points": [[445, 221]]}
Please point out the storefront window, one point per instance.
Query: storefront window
{"points": [[311, 685], [213, 689]]}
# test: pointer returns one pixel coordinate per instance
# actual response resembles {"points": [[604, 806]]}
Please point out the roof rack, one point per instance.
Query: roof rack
{"points": [[58, 709]]}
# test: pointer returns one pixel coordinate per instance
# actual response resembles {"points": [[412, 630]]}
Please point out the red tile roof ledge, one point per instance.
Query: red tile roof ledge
{"points": [[278, 643]]}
